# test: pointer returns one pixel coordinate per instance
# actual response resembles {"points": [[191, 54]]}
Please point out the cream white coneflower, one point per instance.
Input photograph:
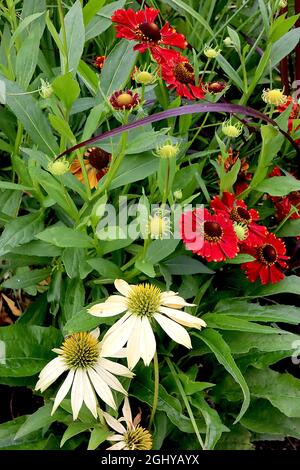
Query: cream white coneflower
{"points": [[89, 373], [159, 225], [144, 303], [131, 437]]}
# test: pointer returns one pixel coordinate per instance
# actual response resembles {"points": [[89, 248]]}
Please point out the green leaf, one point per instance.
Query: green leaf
{"points": [[65, 237], [62, 128], [282, 390], [241, 343], [263, 418], [91, 8], [230, 72], [25, 350], [73, 299], [215, 427], [255, 312], [27, 110], [184, 265], [102, 21], [84, 321], [223, 354], [279, 185], [20, 231], [75, 35], [288, 285], [188, 9], [37, 248], [40, 419], [281, 26], [24, 25], [160, 249], [237, 439], [88, 76], [15, 186], [32, 279], [66, 88], [106, 268], [191, 387], [135, 168], [227, 322], [284, 46], [117, 67], [74, 429], [142, 389], [145, 267], [290, 229], [72, 258], [98, 435]]}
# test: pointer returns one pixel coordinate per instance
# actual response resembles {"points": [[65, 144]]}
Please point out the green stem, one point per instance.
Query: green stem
{"points": [[65, 65], [186, 402], [85, 175], [156, 388]]}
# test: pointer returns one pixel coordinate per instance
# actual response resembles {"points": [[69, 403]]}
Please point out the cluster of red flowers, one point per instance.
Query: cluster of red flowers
{"points": [[231, 229], [288, 205], [294, 114], [175, 68]]}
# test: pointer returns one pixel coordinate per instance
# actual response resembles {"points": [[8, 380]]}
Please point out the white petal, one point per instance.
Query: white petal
{"points": [[89, 396], [95, 333], [115, 368], [119, 446], [118, 323], [114, 340], [120, 354], [50, 373], [123, 287], [175, 331], [77, 393], [63, 390], [110, 380], [115, 438], [102, 389], [134, 343], [172, 300], [114, 423], [127, 410], [183, 318], [148, 343], [115, 298], [107, 309]]}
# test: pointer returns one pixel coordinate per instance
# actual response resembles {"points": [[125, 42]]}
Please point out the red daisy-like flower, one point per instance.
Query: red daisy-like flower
{"points": [[284, 205], [208, 235], [179, 74], [96, 164], [124, 99], [241, 216], [270, 259], [140, 26]]}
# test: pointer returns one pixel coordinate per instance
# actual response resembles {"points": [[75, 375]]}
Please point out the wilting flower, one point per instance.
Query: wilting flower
{"points": [[96, 164], [140, 26], [99, 62], [244, 177], [159, 225], [270, 259], [242, 217], [211, 52], [232, 130], [274, 97], [130, 436], [89, 373], [211, 236], [179, 74], [58, 167], [124, 100], [143, 303]]}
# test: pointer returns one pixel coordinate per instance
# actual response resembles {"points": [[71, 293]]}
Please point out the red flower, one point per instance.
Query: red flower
{"points": [[270, 257], [140, 26], [284, 205], [178, 73], [294, 114], [124, 99], [96, 165], [215, 87], [238, 212], [207, 235]]}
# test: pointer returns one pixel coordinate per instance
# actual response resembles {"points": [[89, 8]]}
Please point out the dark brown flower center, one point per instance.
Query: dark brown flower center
{"points": [[150, 31], [212, 231], [98, 158], [239, 214], [267, 254], [184, 73]]}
